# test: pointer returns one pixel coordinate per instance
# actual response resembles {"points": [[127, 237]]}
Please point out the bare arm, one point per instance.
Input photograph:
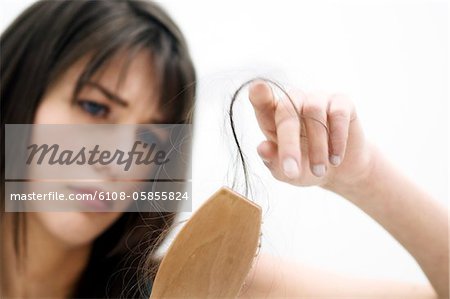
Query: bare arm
{"points": [[405, 211], [272, 277], [345, 163], [409, 214]]}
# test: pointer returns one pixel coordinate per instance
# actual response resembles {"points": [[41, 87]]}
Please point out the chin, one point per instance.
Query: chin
{"points": [[74, 229]]}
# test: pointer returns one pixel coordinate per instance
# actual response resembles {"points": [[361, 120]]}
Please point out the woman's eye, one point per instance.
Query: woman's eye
{"points": [[93, 108]]}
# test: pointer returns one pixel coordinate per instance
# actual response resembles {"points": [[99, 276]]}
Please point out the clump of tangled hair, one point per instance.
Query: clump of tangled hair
{"points": [[240, 154]]}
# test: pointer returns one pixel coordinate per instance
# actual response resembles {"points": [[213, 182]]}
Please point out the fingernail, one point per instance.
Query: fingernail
{"points": [[335, 160], [318, 170], [290, 168]]}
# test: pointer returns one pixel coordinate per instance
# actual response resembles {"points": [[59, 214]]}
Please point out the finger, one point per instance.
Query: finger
{"points": [[268, 151], [263, 101], [288, 136], [314, 116], [340, 110]]}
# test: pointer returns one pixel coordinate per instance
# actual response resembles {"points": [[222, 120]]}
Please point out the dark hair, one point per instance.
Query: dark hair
{"points": [[36, 49]]}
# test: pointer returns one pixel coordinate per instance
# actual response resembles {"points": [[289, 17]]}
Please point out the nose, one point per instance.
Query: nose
{"points": [[115, 144]]}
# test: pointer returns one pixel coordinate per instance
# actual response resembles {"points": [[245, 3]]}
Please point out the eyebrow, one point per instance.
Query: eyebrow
{"points": [[110, 95]]}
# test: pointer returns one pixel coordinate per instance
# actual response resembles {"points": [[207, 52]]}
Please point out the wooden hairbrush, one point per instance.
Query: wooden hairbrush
{"points": [[213, 253]]}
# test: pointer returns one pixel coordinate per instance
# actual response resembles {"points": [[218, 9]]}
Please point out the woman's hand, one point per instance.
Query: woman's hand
{"points": [[344, 162], [327, 147]]}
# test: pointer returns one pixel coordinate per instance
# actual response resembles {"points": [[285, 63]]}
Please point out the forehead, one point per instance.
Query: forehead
{"points": [[133, 78]]}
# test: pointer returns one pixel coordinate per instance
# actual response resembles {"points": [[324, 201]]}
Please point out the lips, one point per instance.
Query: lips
{"points": [[89, 203]]}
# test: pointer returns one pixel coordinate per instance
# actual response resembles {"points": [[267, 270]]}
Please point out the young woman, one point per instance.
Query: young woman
{"points": [[67, 62]]}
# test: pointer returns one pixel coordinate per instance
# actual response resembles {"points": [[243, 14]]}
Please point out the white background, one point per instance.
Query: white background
{"points": [[391, 57]]}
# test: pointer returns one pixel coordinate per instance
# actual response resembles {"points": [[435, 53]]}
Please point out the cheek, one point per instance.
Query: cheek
{"points": [[74, 228]]}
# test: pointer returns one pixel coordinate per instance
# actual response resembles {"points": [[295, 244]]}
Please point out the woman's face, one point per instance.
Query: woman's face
{"points": [[105, 101]]}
